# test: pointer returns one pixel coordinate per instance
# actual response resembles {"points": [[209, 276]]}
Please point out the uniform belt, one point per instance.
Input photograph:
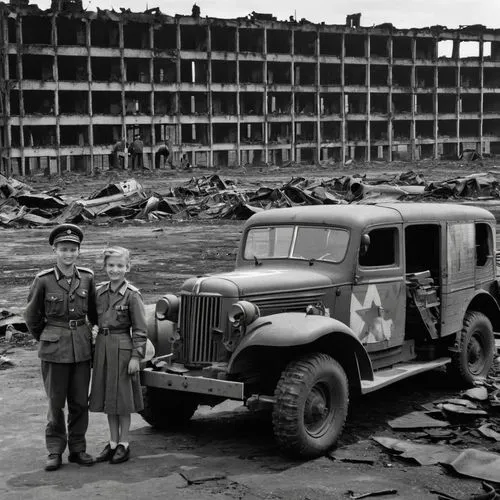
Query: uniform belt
{"points": [[113, 331], [72, 323]]}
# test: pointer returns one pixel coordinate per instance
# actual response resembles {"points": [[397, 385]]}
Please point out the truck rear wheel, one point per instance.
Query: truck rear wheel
{"points": [[477, 349], [165, 409], [312, 399]]}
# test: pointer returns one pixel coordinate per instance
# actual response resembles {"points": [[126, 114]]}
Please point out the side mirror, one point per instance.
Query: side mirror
{"points": [[365, 244]]}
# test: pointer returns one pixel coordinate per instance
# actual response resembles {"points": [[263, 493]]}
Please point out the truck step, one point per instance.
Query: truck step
{"points": [[387, 376]]}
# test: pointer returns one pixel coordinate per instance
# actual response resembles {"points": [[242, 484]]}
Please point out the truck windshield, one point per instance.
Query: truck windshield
{"points": [[297, 242]]}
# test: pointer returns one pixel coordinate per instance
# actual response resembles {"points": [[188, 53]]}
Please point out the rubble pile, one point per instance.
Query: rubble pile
{"points": [[211, 197]]}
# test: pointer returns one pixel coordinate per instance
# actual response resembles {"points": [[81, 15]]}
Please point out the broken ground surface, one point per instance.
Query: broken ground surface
{"points": [[234, 443]]}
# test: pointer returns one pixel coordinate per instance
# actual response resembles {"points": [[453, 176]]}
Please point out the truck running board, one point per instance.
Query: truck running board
{"points": [[387, 376]]}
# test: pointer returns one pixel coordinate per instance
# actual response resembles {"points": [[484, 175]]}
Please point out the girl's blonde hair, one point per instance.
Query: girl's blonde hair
{"points": [[115, 252]]}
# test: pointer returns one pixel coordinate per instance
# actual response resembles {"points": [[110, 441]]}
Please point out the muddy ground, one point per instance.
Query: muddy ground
{"points": [[226, 440]]}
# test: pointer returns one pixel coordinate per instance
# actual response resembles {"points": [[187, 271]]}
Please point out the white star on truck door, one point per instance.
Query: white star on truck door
{"points": [[368, 318]]}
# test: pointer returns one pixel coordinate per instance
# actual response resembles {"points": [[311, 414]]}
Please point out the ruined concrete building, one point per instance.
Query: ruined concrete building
{"points": [[237, 91]]}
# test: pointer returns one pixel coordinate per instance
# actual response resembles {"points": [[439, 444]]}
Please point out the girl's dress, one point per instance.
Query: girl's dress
{"points": [[122, 334]]}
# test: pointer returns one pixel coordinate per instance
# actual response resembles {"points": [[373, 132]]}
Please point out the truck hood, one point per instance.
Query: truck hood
{"points": [[250, 283]]}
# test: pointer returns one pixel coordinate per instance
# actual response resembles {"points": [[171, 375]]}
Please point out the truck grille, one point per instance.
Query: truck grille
{"points": [[198, 316]]}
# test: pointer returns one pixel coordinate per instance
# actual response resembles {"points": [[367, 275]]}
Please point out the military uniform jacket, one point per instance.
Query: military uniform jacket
{"points": [[123, 310], [52, 304]]}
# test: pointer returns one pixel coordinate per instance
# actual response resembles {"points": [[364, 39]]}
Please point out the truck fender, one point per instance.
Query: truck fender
{"points": [[161, 333], [484, 302], [295, 329]]}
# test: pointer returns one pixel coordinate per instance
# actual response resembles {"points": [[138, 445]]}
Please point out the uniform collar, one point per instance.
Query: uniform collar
{"points": [[59, 274], [121, 289]]}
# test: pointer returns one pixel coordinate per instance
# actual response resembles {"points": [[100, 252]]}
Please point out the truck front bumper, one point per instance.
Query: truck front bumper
{"points": [[187, 383]]}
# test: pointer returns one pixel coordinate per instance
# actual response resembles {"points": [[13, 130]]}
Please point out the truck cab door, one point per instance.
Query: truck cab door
{"points": [[378, 299]]}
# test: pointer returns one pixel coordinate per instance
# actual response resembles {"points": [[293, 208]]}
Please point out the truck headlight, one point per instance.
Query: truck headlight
{"points": [[243, 312], [168, 308]]}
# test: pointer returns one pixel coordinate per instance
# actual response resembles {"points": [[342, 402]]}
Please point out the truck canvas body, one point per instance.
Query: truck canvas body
{"points": [[326, 302]]}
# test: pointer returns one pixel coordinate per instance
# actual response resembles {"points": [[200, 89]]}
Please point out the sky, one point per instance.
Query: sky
{"points": [[401, 13]]}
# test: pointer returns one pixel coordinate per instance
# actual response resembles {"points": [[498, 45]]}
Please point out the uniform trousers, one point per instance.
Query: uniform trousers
{"points": [[66, 382]]}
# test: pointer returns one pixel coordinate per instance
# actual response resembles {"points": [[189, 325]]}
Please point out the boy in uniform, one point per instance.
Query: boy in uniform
{"points": [[59, 301]]}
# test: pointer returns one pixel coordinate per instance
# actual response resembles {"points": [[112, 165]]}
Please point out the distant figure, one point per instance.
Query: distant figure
{"points": [[164, 151], [117, 156], [136, 150], [185, 165], [195, 11]]}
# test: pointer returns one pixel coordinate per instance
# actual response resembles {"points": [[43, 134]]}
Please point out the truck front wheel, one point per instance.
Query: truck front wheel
{"points": [[165, 409], [312, 399], [477, 349]]}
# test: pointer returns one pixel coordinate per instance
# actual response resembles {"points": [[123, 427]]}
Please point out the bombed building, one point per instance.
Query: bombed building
{"points": [[228, 92]]}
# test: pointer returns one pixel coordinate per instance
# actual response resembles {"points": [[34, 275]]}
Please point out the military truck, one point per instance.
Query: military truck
{"points": [[326, 303]]}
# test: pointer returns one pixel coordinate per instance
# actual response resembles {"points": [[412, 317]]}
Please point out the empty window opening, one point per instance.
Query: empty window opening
{"points": [[39, 136], [71, 31], [492, 77], [250, 133], [77, 135], [469, 77], [356, 130], [223, 39], [401, 76], [279, 133], [107, 134], [165, 103], [330, 103], [401, 47], [491, 103], [251, 72], [492, 128], [251, 40], [279, 102], [425, 103], [278, 73], [278, 41], [15, 138], [424, 77], [379, 46], [330, 44], [330, 131], [355, 103], [355, 74], [424, 129], [38, 67], [221, 158], [445, 49], [304, 42], [193, 38], [305, 103], [195, 133], [37, 30], [378, 103], [14, 102], [330, 74], [378, 131], [12, 30], [426, 151], [13, 70], [193, 103], [305, 74], [305, 132], [73, 102], [425, 48], [224, 103], [106, 69], [223, 72], [484, 245], [251, 103], [193, 71], [382, 249], [487, 50], [104, 34], [401, 130], [470, 103], [165, 71], [447, 128], [107, 103], [72, 68], [468, 50], [378, 75], [225, 133], [165, 37], [137, 70], [447, 77], [355, 45], [420, 257], [137, 103], [136, 36], [469, 128], [401, 103], [39, 102], [307, 155]]}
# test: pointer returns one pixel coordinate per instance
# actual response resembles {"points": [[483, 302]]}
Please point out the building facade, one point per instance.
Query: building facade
{"points": [[228, 92]]}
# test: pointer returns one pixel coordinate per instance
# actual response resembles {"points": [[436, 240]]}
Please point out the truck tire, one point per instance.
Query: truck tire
{"points": [[477, 349], [312, 399], [165, 409]]}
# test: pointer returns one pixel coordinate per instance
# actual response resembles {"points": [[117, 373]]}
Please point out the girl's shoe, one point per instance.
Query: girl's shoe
{"points": [[121, 454], [106, 455]]}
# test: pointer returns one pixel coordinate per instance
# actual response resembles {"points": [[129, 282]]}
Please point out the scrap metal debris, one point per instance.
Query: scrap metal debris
{"points": [[416, 420], [212, 197]]}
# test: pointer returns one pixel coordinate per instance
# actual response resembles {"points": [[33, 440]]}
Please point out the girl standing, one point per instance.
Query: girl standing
{"points": [[120, 344]]}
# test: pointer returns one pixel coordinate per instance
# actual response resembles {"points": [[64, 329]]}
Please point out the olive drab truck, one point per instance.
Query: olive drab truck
{"points": [[325, 303]]}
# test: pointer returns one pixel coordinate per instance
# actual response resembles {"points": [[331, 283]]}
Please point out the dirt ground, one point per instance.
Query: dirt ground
{"points": [[226, 440]]}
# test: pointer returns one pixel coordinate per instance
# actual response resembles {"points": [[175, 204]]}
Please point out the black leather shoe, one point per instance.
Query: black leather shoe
{"points": [[53, 462], [81, 458], [106, 454], [122, 454]]}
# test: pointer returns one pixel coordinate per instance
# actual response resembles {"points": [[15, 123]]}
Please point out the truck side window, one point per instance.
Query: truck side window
{"points": [[483, 239], [382, 249]]}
